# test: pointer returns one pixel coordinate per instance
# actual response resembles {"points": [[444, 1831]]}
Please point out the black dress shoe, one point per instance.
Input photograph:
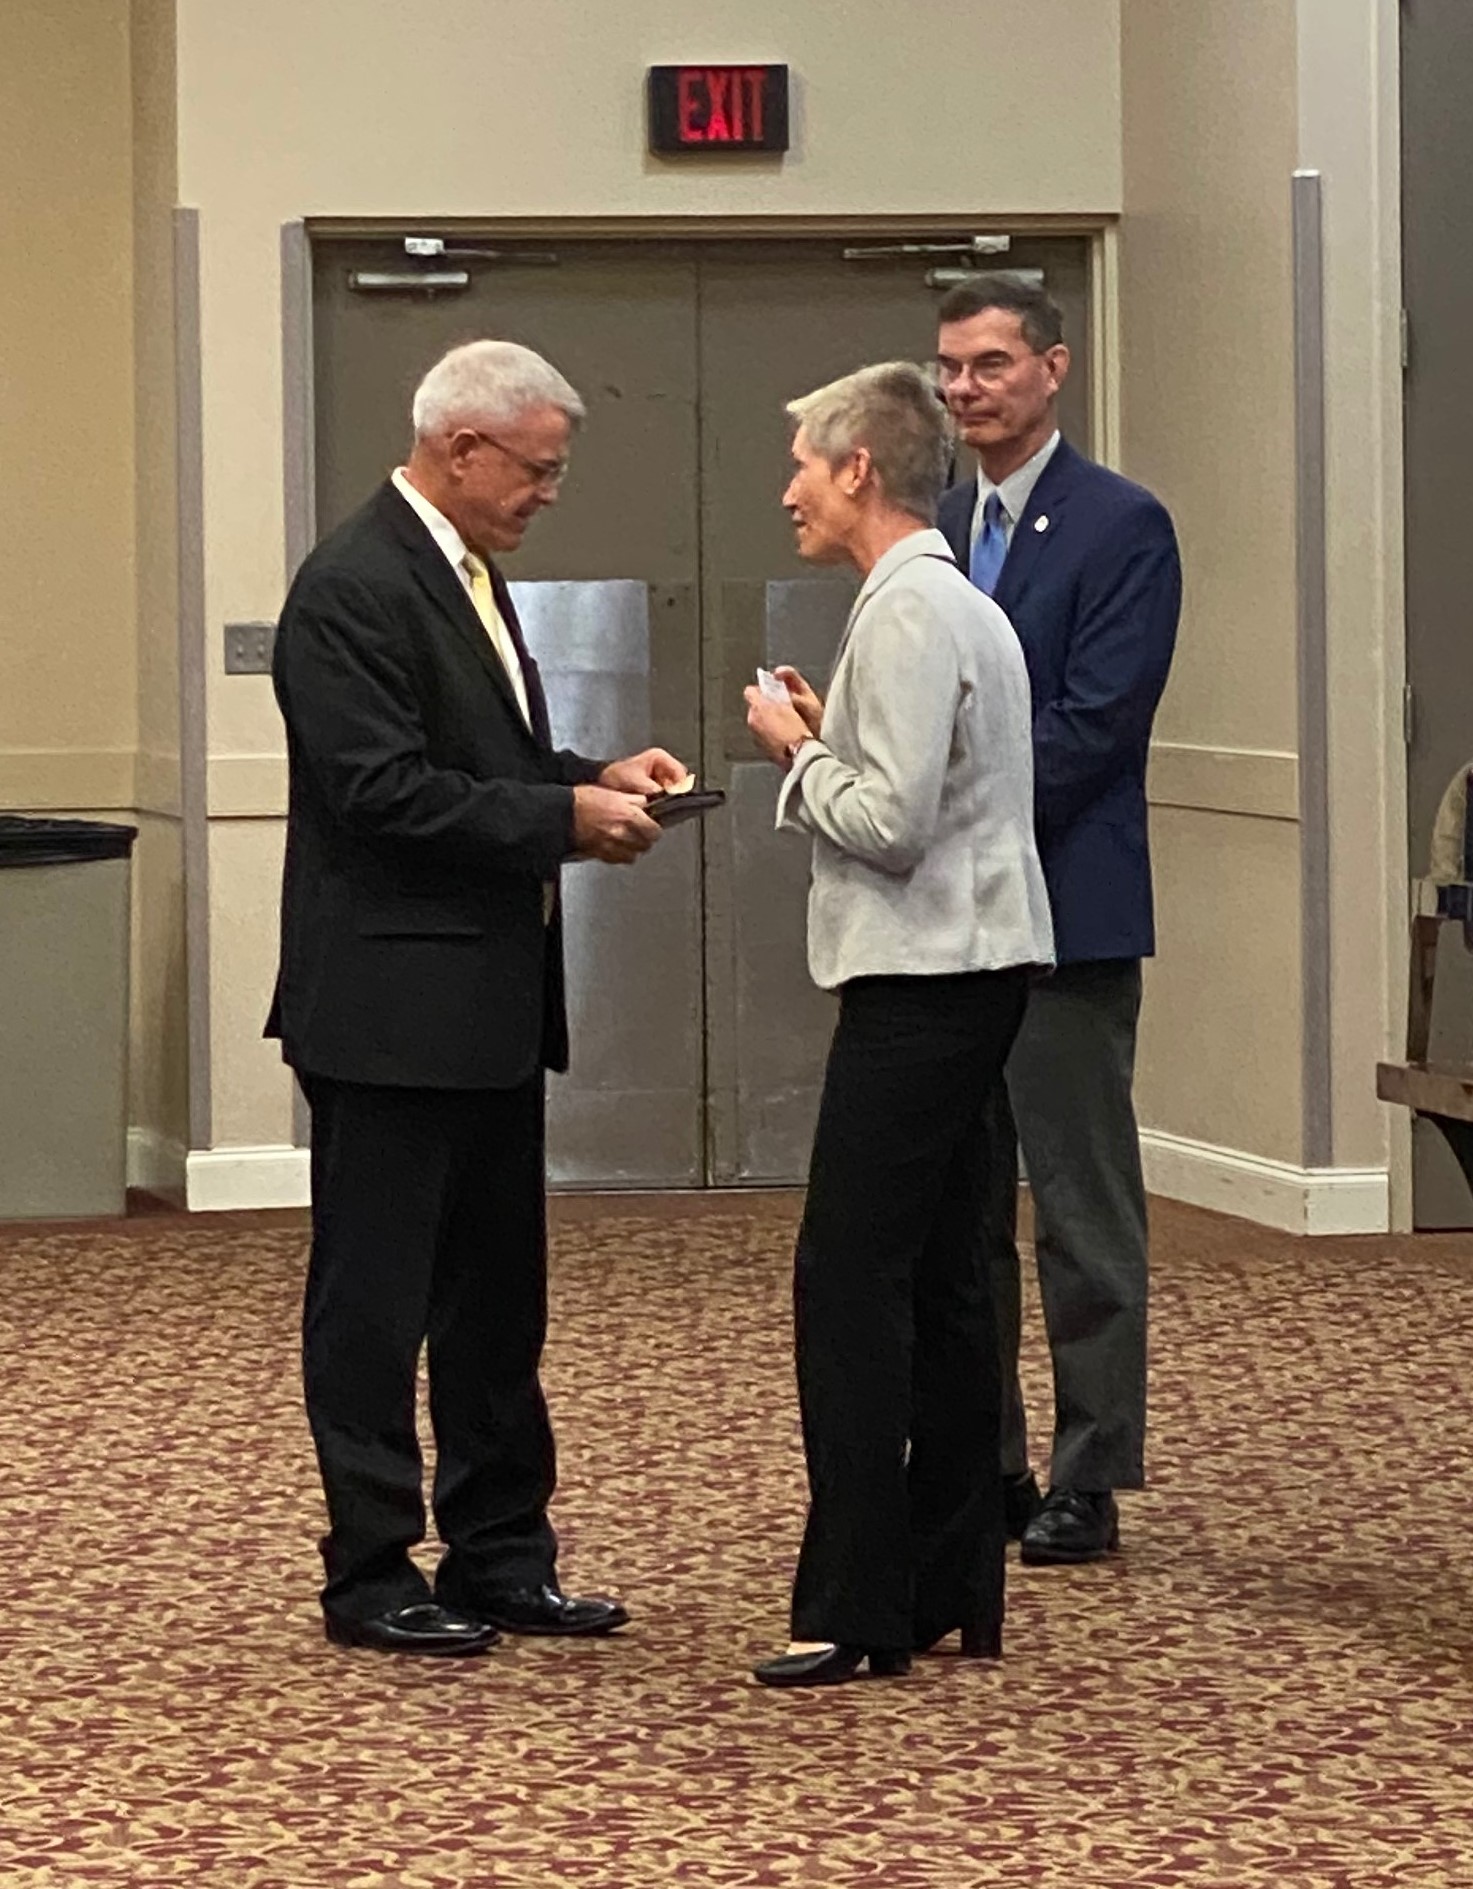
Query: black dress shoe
{"points": [[547, 1609], [1073, 1525], [1021, 1501], [424, 1628], [832, 1665]]}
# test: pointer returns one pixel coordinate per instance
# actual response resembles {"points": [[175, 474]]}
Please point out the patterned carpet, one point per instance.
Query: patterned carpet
{"points": [[1273, 1685]]}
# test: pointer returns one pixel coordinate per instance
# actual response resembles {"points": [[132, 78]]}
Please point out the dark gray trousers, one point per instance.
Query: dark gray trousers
{"points": [[1068, 1104]]}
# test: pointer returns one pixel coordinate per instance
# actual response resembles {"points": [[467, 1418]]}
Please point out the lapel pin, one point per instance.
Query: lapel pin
{"points": [[1041, 522]]}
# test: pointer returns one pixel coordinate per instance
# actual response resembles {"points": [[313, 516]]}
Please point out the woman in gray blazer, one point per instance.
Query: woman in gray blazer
{"points": [[927, 913]]}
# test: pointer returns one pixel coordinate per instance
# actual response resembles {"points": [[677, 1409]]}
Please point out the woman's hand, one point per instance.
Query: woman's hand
{"points": [[805, 698], [773, 724]]}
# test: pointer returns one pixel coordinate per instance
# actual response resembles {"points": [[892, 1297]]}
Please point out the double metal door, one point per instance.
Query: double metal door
{"points": [[650, 593]]}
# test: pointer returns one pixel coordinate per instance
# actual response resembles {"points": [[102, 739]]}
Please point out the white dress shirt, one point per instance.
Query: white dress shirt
{"points": [[1014, 491]]}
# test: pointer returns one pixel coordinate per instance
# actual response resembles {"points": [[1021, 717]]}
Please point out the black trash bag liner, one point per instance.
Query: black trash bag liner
{"points": [[25, 841]]}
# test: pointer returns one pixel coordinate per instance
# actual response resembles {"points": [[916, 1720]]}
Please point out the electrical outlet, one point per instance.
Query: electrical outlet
{"points": [[248, 648]]}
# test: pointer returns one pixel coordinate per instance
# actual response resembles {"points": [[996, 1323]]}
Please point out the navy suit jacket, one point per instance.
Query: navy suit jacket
{"points": [[1092, 584]]}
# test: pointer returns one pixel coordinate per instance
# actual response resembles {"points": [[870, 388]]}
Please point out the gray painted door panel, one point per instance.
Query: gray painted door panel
{"points": [[1437, 159]]}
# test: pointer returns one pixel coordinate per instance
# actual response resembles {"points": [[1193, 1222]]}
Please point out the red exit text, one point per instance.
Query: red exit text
{"points": [[720, 104]]}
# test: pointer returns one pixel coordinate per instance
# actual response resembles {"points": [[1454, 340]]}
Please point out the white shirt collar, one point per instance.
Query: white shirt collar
{"points": [[439, 526], [1017, 488]]}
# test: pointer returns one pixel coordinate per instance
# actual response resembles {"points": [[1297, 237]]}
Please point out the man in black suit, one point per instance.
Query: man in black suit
{"points": [[1086, 566], [420, 999]]}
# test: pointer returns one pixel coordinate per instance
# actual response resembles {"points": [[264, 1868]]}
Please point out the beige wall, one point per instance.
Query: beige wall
{"points": [[1220, 1025], [459, 110], [68, 704], [1219, 107], [88, 710], [1209, 113], [155, 172]]}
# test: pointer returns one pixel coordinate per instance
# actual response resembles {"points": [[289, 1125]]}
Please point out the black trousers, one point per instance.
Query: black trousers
{"points": [[428, 1227], [896, 1337]]}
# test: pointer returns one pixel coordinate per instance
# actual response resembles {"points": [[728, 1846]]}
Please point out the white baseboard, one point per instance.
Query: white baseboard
{"points": [[224, 1180], [1274, 1193], [155, 1162]]}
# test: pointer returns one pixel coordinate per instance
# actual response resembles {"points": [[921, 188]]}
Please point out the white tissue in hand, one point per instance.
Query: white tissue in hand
{"points": [[772, 689]]}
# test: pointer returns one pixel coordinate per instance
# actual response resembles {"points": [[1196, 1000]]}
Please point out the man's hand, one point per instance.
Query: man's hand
{"points": [[804, 697], [773, 724], [652, 772], [611, 826]]}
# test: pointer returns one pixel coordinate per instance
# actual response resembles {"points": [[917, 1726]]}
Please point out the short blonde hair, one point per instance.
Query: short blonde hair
{"points": [[895, 413]]}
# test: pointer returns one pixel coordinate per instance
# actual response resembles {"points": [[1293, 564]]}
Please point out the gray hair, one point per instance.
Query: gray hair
{"points": [[489, 380], [893, 411]]}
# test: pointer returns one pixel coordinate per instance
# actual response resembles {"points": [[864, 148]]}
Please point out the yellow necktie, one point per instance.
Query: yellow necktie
{"points": [[484, 598]]}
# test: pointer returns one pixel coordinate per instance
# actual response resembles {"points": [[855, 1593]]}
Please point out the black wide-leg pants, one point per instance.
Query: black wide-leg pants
{"points": [[428, 1228], [897, 1348]]}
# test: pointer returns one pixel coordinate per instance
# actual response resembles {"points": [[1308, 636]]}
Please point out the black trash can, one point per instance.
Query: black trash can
{"points": [[65, 897]]}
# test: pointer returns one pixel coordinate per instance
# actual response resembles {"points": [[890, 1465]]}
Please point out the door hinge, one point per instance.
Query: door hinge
{"points": [[1406, 341], [1408, 714]]}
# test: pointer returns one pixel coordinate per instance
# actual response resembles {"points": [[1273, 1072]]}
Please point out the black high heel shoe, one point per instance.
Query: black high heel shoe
{"points": [[982, 1642], [832, 1665], [979, 1641]]}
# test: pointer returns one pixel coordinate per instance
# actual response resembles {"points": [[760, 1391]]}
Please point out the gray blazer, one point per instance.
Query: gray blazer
{"points": [[919, 796]]}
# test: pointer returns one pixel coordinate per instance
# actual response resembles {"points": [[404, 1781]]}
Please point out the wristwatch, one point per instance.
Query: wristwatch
{"points": [[790, 748]]}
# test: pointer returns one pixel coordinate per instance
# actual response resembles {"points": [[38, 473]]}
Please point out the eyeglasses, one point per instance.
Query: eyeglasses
{"points": [[986, 369], [545, 472]]}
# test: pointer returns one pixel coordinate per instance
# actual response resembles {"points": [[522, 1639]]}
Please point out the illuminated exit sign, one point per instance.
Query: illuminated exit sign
{"points": [[718, 108]]}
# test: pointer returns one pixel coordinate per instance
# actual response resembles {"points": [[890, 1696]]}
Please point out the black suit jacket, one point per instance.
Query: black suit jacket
{"points": [[424, 819], [1092, 584]]}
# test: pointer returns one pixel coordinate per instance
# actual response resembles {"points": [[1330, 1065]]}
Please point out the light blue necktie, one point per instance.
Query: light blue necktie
{"points": [[989, 548]]}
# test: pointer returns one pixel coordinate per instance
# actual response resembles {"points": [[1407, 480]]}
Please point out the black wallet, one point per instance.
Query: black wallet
{"points": [[671, 809]]}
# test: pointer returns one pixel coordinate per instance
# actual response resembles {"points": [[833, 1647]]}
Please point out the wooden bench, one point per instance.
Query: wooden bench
{"points": [[1443, 1092]]}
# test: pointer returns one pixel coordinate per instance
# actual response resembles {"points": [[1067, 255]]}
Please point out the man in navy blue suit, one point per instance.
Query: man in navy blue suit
{"points": [[1086, 566]]}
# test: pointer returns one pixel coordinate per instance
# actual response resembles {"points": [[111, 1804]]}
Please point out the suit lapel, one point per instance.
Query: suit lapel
{"points": [[960, 503], [531, 674], [434, 576], [873, 584], [1034, 533]]}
